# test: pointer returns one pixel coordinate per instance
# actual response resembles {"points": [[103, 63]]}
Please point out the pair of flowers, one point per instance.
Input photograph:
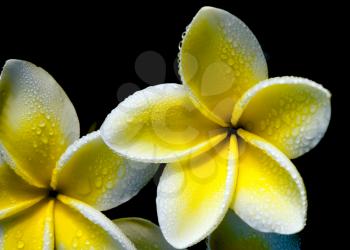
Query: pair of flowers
{"points": [[226, 134]]}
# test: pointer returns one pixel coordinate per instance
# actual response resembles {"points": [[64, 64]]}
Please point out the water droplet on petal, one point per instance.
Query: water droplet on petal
{"points": [[98, 182], [20, 244], [79, 233], [109, 184], [45, 140], [42, 124], [231, 61], [104, 171]]}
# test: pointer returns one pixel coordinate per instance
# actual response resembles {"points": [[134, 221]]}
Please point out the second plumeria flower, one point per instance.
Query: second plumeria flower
{"points": [[227, 134], [53, 185]]}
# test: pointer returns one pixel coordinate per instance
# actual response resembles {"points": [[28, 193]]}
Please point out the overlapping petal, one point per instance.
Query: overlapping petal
{"points": [[234, 234], [270, 195], [144, 234], [91, 172], [194, 195], [220, 59], [30, 229], [79, 226], [292, 113], [37, 121], [159, 124], [15, 194]]}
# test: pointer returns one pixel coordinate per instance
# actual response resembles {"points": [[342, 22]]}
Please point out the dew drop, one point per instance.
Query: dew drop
{"points": [[45, 140], [121, 171], [230, 61], [269, 131], [104, 171], [20, 244], [277, 123], [223, 56], [98, 182], [109, 184], [79, 233], [313, 108], [42, 124], [262, 125]]}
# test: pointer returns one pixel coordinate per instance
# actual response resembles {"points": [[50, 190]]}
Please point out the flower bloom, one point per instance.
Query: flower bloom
{"points": [[53, 184], [226, 134]]}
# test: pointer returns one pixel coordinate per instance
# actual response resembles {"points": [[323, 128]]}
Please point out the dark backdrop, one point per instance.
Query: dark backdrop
{"points": [[101, 53]]}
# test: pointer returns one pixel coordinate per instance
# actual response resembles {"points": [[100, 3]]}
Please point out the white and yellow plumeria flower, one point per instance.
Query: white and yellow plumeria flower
{"points": [[227, 134], [53, 184]]}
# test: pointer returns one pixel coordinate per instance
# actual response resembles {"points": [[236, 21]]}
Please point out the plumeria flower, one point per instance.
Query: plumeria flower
{"points": [[227, 134], [53, 185]]}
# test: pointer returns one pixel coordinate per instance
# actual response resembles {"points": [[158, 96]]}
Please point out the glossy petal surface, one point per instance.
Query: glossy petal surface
{"points": [[290, 112], [37, 121], [91, 172], [15, 194], [270, 195], [194, 195], [159, 124], [219, 60], [78, 226], [30, 229]]}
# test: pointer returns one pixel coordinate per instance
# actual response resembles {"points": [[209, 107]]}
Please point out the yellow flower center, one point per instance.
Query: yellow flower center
{"points": [[232, 130], [52, 193]]}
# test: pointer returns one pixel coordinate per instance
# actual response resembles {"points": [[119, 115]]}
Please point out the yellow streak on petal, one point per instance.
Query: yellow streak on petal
{"points": [[31, 229], [91, 172], [193, 195], [78, 226], [37, 121], [15, 194], [159, 124], [270, 194]]}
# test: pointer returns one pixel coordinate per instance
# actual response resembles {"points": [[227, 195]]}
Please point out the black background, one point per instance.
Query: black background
{"points": [[91, 51]]}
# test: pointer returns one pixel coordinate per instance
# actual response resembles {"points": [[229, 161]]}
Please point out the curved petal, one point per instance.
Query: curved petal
{"points": [[159, 124], [15, 194], [31, 229], [144, 234], [79, 226], [290, 112], [37, 120], [219, 60], [194, 195], [91, 172], [270, 194], [234, 234]]}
